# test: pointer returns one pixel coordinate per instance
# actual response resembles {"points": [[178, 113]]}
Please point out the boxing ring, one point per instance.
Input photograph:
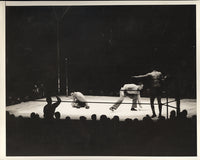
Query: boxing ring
{"points": [[100, 105]]}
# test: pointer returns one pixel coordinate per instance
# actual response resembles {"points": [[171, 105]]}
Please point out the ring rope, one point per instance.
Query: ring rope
{"points": [[112, 102], [169, 102], [96, 102], [170, 106]]}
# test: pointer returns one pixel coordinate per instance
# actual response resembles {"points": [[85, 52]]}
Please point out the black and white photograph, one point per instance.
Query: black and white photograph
{"points": [[101, 80]]}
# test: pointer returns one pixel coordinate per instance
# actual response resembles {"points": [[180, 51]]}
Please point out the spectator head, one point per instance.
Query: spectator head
{"points": [[147, 116], [184, 113], [172, 114], [48, 99], [12, 116], [32, 115], [144, 119], [103, 117], [128, 120], [20, 117], [37, 116], [82, 118], [135, 121], [68, 118], [116, 118], [94, 117], [162, 118], [194, 117], [57, 115]]}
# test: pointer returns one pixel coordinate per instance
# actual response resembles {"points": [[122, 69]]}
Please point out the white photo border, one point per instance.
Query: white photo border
{"points": [[3, 5]]}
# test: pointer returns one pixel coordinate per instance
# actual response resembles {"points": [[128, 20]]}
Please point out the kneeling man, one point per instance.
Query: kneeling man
{"points": [[79, 100]]}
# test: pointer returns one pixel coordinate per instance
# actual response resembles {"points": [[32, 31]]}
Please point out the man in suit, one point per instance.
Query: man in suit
{"points": [[49, 108]]}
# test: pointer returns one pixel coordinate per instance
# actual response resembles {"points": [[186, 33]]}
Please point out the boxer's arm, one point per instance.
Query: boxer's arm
{"points": [[141, 76], [121, 93]]}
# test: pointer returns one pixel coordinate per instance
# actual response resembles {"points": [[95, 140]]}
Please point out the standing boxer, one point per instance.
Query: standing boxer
{"points": [[156, 79]]}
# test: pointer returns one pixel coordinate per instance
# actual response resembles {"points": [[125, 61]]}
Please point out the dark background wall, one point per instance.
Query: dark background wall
{"points": [[104, 46]]}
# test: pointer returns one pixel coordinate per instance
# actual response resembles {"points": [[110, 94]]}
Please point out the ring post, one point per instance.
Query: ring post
{"points": [[67, 83], [167, 104], [178, 105]]}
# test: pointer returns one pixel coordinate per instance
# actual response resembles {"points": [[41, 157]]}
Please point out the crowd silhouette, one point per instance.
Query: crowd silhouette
{"points": [[37, 136]]}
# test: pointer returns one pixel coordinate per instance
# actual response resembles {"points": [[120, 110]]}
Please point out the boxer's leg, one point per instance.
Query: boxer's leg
{"points": [[134, 102], [117, 104], [159, 105], [139, 101], [152, 106], [120, 100]]}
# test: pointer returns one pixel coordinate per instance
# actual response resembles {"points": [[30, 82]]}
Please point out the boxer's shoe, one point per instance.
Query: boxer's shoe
{"points": [[112, 108], [87, 107], [133, 109]]}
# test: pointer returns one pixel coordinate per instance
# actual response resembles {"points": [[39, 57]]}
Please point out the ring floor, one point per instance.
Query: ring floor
{"points": [[26, 108]]}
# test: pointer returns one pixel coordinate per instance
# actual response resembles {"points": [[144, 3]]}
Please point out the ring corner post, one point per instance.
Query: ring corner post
{"points": [[167, 105], [178, 105]]}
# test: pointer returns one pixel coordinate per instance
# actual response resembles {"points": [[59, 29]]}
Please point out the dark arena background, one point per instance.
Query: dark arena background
{"points": [[52, 51]]}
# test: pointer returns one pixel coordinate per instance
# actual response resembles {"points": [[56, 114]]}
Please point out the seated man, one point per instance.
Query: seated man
{"points": [[49, 108], [79, 100], [132, 91]]}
